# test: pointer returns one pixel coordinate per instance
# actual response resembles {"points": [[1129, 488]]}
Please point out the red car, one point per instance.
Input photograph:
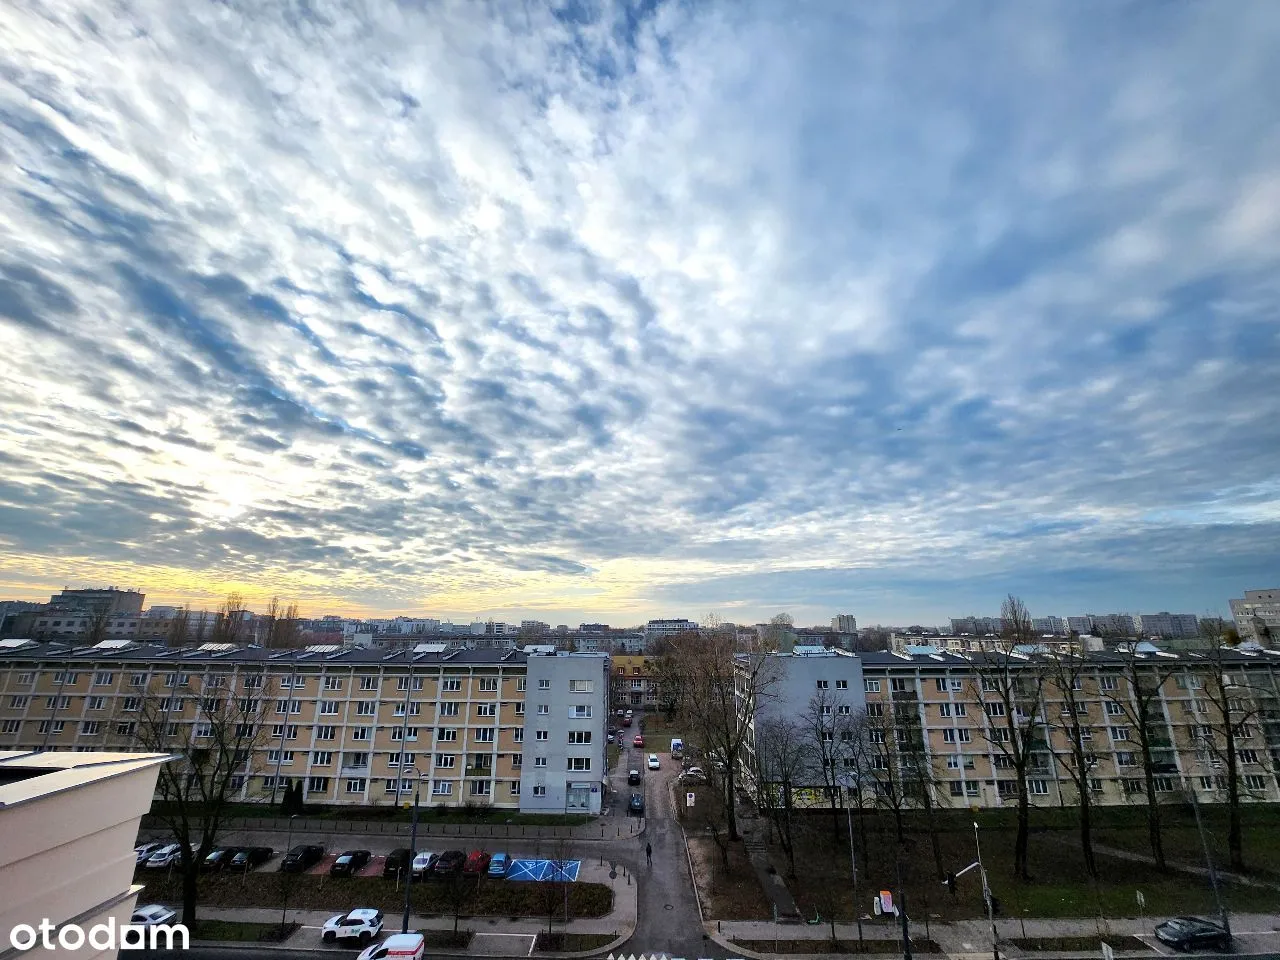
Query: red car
{"points": [[638, 741], [477, 863], [626, 721]]}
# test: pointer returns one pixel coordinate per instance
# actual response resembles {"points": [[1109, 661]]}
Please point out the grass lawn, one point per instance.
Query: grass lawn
{"points": [[1059, 888], [727, 894], [447, 938], [560, 942], [612, 753], [231, 930], [1261, 835]]}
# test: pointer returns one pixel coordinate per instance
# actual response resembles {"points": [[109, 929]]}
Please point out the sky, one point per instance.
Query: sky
{"points": [[608, 311]]}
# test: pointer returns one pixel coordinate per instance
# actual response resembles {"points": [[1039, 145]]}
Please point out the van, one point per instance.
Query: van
{"points": [[398, 946], [677, 748]]}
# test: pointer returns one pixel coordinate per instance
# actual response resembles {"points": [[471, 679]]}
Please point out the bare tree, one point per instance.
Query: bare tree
{"points": [[783, 760], [829, 729], [176, 634], [1139, 701], [1011, 691], [282, 625], [98, 620], [1067, 676], [777, 635], [229, 626], [1233, 711], [885, 767], [212, 755]]}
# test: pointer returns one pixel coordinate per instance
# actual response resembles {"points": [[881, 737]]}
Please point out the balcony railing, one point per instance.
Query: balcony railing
{"points": [[478, 772]]}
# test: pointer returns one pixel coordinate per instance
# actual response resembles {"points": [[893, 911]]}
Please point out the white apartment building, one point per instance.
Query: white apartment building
{"points": [[1257, 615], [667, 628], [1165, 624], [844, 623], [348, 723]]}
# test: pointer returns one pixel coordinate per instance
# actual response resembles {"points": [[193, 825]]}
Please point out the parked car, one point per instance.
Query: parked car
{"points": [[251, 857], [693, 775], [143, 851], [153, 914], [633, 777], [398, 946], [422, 862], [362, 924], [219, 859], [477, 862], [636, 805], [677, 748], [397, 862], [499, 865], [449, 864], [349, 863], [166, 856], [301, 857], [653, 761], [637, 740], [626, 721], [1191, 933]]}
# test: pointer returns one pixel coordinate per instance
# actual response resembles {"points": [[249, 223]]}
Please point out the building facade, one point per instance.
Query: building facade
{"points": [[955, 722], [1257, 615], [632, 682], [353, 725], [1165, 624], [844, 623], [667, 628]]}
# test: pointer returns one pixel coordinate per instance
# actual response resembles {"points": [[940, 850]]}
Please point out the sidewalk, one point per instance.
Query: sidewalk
{"points": [[493, 935]]}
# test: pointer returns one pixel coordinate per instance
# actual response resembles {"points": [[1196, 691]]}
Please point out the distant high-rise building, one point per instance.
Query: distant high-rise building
{"points": [[1257, 615], [977, 626], [1165, 624], [665, 628], [1054, 625], [122, 603], [1104, 624], [844, 623]]}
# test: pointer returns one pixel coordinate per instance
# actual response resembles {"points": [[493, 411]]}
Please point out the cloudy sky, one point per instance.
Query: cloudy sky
{"points": [[578, 310]]}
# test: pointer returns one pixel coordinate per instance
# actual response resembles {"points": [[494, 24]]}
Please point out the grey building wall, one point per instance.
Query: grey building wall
{"points": [[551, 707]]}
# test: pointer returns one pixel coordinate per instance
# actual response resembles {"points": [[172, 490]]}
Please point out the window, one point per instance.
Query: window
{"points": [[322, 758], [20, 703], [69, 678], [580, 736], [845, 710], [544, 709], [1254, 781], [1095, 785], [91, 727], [994, 709], [328, 708], [963, 735], [204, 730], [539, 791], [1114, 709], [989, 685], [488, 684], [875, 736], [580, 711], [402, 683], [409, 733], [61, 703], [520, 709], [391, 785], [358, 733], [579, 764], [948, 736], [1119, 733], [442, 788], [448, 709], [280, 756], [481, 788], [962, 710], [1003, 762], [97, 703], [1086, 733], [447, 735], [998, 735], [956, 788], [248, 705], [486, 710], [539, 761], [333, 683], [317, 784], [540, 735], [251, 683], [944, 709], [515, 788], [518, 735], [355, 785], [12, 726], [842, 684], [1107, 683], [54, 726], [103, 679], [326, 732], [545, 684], [138, 680], [1038, 788], [902, 685], [520, 682], [368, 683], [1248, 756], [415, 710], [451, 685], [953, 762], [873, 686], [24, 678], [517, 760], [483, 736], [822, 684], [445, 761], [124, 728], [1124, 759], [177, 680], [357, 760]]}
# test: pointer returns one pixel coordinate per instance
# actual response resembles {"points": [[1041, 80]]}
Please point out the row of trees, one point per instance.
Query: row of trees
{"points": [[1036, 706]]}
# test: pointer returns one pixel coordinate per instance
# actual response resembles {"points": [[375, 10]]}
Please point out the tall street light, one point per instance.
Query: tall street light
{"points": [[986, 894], [413, 842], [288, 840]]}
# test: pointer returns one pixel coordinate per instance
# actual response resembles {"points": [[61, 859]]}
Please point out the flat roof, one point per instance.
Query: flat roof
{"points": [[27, 776]]}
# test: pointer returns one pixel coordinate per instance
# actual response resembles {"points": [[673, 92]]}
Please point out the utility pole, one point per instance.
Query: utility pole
{"points": [[902, 911], [1208, 859], [853, 860], [413, 842]]}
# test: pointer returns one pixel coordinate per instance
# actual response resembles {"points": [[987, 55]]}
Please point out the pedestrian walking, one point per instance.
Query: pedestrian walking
{"points": [[648, 853]]}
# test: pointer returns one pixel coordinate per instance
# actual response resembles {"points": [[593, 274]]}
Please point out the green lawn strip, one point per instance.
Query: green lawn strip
{"points": [[235, 930], [501, 898], [447, 938], [613, 753], [1079, 944], [918, 945], [560, 942]]}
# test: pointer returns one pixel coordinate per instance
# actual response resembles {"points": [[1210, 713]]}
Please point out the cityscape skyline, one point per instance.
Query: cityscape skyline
{"points": [[630, 310]]}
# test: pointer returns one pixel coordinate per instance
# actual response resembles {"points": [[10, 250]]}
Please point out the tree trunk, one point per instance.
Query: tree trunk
{"points": [[190, 875], [1086, 833], [731, 813], [1024, 828], [1153, 808], [1234, 841]]}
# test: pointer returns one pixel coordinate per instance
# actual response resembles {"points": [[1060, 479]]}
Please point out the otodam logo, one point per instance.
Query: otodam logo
{"points": [[107, 935]]}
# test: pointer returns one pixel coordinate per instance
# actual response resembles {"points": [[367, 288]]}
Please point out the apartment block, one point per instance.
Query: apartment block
{"points": [[1257, 615], [942, 707], [1165, 624], [353, 725], [566, 734]]}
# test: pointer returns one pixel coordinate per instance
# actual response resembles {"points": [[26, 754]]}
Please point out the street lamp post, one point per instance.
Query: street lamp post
{"points": [[986, 895], [413, 844], [1208, 859], [284, 905], [853, 860]]}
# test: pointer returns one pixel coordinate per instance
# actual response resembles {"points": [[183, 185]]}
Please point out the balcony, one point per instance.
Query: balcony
{"points": [[478, 772]]}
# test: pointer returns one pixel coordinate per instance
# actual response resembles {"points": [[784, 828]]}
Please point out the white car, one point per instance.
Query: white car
{"points": [[693, 775], [152, 915], [166, 856], [653, 761], [398, 946], [143, 851], [362, 924], [421, 864]]}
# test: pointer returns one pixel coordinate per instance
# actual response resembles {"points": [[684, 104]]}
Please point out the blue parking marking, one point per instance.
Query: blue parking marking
{"points": [[543, 870]]}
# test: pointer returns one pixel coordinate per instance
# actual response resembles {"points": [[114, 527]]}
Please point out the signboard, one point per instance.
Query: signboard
{"points": [[886, 901], [689, 798]]}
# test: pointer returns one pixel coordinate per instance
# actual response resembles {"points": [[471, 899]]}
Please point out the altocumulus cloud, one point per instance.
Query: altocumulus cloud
{"points": [[624, 307]]}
